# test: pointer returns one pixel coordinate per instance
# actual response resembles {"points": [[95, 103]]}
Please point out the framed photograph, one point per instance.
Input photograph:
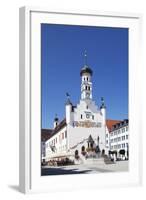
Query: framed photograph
{"points": [[79, 100]]}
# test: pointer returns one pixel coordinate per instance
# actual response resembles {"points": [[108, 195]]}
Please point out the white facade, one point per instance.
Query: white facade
{"points": [[84, 127], [118, 139], [57, 145]]}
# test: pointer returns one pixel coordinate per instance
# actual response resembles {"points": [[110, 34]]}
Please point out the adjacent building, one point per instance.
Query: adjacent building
{"points": [[118, 139], [45, 135]]}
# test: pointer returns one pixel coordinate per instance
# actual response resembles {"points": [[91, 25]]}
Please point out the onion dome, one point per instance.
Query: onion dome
{"points": [[86, 69], [56, 119]]}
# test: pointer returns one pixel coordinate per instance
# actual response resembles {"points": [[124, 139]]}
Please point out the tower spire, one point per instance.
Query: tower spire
{"points": [[86, 84], [68, 99], [85, 58]]}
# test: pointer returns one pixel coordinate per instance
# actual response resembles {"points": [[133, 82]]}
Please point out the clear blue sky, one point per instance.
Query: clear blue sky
{"points": [[62, 49]]}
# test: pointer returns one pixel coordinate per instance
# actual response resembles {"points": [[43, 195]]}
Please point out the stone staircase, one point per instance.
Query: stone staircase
{"points": [[98, 161]]}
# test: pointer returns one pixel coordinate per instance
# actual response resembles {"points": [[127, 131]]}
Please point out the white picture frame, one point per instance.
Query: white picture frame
{"points": [[30, 151]]}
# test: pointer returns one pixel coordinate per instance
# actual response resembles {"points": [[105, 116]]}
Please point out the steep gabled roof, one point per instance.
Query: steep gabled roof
{"points": [[59, 126], [46, 134]]}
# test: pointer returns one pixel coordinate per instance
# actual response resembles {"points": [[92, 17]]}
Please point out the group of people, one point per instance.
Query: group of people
{"points": [[60, 162]]}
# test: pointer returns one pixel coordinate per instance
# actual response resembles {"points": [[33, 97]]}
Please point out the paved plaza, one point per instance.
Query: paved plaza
{"points": [[91, 168]]}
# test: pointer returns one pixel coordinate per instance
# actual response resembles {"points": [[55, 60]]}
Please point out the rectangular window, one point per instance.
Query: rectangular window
{"points": [[123, 130], [123, 137], [126, 136], [81, 116], [92, 116]]}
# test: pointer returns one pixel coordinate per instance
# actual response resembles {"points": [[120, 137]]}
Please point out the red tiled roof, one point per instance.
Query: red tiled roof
{"points": [[111, 122]]}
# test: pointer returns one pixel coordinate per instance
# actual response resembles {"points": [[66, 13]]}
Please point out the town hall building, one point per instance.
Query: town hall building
{"points": [[83, 132]]}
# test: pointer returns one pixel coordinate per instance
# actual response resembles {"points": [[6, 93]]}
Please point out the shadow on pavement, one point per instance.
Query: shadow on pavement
{"points": [[61, 171]]}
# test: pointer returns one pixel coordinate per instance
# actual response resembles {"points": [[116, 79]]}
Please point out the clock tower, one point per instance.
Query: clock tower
{"points": [[86, 84]]}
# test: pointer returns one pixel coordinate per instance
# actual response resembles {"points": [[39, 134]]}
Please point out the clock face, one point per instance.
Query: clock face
{"points": [[87, 116]]}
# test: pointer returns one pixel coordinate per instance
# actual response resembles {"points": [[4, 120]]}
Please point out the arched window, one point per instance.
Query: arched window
{"points": [[103, 151], [76, 154], [83, 148]]}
